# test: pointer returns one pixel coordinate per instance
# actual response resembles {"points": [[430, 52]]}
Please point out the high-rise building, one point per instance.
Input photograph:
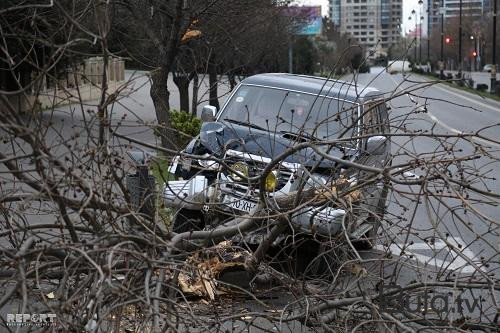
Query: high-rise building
{"points": [[433, 16], [335, 11], [373, 24], [469, 7]]}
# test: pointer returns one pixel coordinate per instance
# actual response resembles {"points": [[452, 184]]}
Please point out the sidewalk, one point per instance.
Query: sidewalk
{"points": [[478, 77]]}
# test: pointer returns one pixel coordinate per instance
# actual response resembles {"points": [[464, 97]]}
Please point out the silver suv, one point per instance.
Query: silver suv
{"points": [[337, 125]]}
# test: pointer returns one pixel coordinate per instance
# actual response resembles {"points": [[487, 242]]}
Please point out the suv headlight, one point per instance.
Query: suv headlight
{"points": [[271, 181]]}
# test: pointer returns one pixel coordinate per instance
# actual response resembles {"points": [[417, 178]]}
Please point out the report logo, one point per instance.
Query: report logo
{"points": [[31, 319], [394, 299]]}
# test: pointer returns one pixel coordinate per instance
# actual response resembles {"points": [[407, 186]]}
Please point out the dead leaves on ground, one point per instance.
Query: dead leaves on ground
{"points": [[201, 270]]}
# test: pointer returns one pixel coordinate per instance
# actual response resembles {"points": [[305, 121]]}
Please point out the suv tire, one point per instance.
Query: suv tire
{"points": [[187, 220]]}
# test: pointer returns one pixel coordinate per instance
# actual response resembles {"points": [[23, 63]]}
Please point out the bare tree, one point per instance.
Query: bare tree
{"points": [[77, 243]]}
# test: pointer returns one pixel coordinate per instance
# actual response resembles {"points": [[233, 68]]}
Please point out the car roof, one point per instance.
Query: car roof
{"points": [[314, 85]]}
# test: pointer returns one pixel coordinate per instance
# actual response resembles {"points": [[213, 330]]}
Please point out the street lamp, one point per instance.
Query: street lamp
{"points": [[494, 61], [428, 36], [420, 3], [460, 42], [413, 12], [441, 66], [420, 41], [474, 52]]}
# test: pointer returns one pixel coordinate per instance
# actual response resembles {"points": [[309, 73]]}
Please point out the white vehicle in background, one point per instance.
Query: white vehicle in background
{"points": [[396, 66]]}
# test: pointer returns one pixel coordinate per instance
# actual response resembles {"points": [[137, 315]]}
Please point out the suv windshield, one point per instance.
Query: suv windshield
{"points": [[286, 111]]}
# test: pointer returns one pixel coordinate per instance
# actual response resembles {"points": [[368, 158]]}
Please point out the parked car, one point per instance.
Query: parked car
{"points": [[398, 66], [265, 115], [487, 68]]}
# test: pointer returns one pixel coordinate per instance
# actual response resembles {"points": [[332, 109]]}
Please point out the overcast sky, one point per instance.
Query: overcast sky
{"points": [[408, 6]]}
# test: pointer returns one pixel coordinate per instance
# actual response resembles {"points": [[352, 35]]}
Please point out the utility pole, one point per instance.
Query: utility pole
{"points": [[414, 12], [420, 40], [420, 2], [460, 42], [415, 39], [494, 53], [428, 36], [441, 65]]}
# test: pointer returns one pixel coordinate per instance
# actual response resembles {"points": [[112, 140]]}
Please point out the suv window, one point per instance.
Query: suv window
{"points": [[282, 110]]}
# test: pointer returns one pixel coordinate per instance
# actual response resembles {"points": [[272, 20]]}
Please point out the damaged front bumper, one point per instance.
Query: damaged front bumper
{"points": [[186, 194], [194, 194]]}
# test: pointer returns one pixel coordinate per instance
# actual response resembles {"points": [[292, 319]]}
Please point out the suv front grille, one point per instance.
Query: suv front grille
{"points": [[255, 166]]}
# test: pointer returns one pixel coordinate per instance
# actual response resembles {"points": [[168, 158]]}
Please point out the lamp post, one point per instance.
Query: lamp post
{"points": [[441, 66], [420, 3], [494, 56], [420, 41], [428, 37], [460, 42], [474, 53], [414, 33]]}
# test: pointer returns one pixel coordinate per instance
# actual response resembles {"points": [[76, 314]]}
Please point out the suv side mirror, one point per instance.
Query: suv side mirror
{"points": [[376, 145], [208, 113]]}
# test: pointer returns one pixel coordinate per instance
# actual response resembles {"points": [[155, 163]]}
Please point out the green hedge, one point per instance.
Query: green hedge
{"points": [[185, 122]]}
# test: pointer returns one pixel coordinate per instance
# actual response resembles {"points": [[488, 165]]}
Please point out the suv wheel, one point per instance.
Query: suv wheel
{"points": [[307, 257], [188, 220]]}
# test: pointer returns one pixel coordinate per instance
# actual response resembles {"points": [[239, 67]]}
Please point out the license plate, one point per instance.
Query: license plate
{"points": [[239, 204]]}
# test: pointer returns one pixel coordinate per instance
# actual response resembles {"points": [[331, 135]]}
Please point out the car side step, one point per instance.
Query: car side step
{"points": [[362, 230]]}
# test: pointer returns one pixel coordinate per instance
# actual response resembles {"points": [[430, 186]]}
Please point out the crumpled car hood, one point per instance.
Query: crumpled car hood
{"points": [[268, 144]]}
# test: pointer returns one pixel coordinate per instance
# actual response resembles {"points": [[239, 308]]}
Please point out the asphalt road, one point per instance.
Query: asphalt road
{"points": [[448, 111]]}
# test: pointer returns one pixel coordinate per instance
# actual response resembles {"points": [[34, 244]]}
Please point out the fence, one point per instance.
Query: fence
{"points": [[82, 82]]}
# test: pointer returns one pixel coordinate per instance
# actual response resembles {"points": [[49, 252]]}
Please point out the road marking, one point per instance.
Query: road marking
{"points": [[496, 109], [457, 263], [445, 89], [444, 125], [454, 130]]}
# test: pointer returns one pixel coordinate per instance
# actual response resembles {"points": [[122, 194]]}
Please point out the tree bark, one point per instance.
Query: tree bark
{"points": [[194, 106], [212, 81], [182, 83], [232, 80], [160, 96]]}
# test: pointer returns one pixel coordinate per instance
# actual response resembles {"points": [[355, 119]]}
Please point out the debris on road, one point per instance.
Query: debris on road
{"points": [[199, 275]]}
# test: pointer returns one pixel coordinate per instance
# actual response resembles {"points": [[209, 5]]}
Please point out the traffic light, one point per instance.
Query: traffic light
{"points": [[447, 40], [474, 54]]}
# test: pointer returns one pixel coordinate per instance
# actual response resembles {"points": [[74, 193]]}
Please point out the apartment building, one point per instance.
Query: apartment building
{"points": [[334, 11], [469, 7], [373, 24]]}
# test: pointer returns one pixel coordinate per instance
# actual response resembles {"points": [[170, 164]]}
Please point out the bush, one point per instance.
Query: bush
{"points": [[364, 68], [187, 126], [418, 70], [185, 122], [482, 87]]}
